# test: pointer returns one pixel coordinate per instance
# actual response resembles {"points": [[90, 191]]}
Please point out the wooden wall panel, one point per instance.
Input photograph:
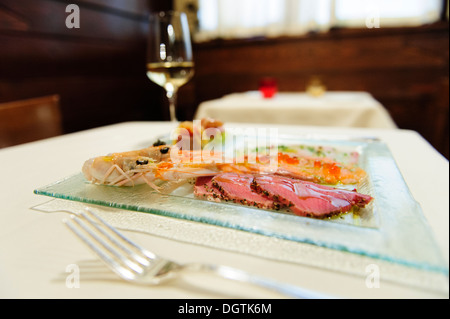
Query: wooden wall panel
{"points": [[98, 70], [404, 68]]}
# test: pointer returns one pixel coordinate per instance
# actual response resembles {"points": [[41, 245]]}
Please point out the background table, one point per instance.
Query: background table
{"points": [[339, 109], [36, 248]]}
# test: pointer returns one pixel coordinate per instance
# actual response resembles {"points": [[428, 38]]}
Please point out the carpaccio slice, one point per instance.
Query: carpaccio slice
{"points": [[238, 188], [275, 192], [232, 187], [309, 199], [205, 189]]}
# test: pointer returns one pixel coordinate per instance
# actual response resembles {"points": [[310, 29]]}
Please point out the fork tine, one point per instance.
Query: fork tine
{"points": [[117, 238], [101, 247], [121, 237], [110, 262]]}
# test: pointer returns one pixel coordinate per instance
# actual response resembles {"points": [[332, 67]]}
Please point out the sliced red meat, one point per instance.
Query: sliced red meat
{"points": [[205, 189], [238, 188], [353, 197], [308, 199], [273, 192]]}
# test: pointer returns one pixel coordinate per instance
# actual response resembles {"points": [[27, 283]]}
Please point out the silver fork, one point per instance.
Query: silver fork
{"points": [[136, 264]]}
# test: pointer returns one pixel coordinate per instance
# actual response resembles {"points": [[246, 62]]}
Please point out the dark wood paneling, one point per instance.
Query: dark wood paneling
{"points": [[29, 120], [404, 68], [98, 70]]}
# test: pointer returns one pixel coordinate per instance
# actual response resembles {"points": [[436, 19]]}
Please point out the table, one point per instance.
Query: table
{"points": [[36, 249], [339, 109]]}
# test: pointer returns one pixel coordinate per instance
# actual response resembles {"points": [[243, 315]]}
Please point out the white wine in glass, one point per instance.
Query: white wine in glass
{"points": [[169, 55]]}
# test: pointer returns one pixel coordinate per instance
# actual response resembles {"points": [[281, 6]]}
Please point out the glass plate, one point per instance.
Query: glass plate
{"points": [[391, 228]]}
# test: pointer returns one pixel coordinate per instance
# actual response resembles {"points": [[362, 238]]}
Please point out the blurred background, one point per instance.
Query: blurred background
{"points": [[399, 53]]}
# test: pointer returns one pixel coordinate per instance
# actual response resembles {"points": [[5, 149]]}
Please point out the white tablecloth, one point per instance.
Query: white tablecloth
{"points": [[37, 251], [339, 109]]}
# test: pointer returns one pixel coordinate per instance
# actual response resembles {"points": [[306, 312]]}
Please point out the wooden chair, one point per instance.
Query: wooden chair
{"points": [[29, 120]]}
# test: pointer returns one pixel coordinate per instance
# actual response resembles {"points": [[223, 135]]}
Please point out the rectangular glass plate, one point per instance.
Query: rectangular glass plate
{"points": [[392, 228]]}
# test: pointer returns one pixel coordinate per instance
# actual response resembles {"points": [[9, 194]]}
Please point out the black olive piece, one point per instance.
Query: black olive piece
{"points": [[159, 143], [164, 150], [139, 162]]}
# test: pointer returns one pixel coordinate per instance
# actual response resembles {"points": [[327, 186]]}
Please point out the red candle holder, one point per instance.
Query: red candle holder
{"points": [[268, 87]]}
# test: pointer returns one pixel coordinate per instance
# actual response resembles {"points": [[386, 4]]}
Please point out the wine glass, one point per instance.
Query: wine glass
{"points": [[169, 54]]}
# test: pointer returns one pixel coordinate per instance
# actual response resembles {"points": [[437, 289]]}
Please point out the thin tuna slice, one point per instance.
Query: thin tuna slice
{"points": [[205, 189], [353, 197], [308, 199], [238, 188]]}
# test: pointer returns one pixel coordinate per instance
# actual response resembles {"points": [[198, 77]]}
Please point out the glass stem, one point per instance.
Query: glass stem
{"points": [[172, 96]]}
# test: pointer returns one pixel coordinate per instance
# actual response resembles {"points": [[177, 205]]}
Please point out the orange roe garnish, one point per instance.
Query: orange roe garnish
{"points": [[288, 159]]}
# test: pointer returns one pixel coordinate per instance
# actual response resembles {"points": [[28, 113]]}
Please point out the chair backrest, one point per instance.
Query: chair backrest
{"points": [[29, 120]]}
